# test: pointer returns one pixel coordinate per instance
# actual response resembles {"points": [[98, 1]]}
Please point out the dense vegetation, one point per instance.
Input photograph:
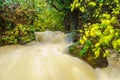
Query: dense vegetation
{"points": [[20, 19], [100, 26], [100, 23]]}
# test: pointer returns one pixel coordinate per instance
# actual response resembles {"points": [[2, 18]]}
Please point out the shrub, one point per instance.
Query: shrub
{"points": [[100, 26], [12, 17], [18, 22]]}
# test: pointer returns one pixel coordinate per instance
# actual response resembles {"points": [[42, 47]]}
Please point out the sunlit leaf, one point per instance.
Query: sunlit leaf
{"points": [[84, 50], [97, 44], [97, 53], [106, 53], [93, 4], [82, 41]]}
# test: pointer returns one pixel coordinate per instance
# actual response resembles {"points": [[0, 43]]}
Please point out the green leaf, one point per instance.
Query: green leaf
{"points": [[88, 42], [93, 4], [101, 1], [72, 48], [84, 50], [114, 43]]}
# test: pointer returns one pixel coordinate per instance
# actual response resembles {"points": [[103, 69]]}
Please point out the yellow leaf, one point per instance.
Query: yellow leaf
{"points": [[108, 38], [84, 38], [107, 16], [82, 9], [97, 53], [105, 22], [72, 9], [113, 20], [77, 5], [16, 32], [76, 1], [87, 33], [114, 43], [106, 53], [92, 4], [97, 44], [20, 26], [101, 40], [98, 33], [82, 41], [81, 31]]}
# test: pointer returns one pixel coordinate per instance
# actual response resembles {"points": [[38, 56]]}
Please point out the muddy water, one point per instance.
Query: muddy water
{"points": [[47, 59]]}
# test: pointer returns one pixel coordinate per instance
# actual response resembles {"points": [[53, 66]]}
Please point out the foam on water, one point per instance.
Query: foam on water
{"points": [[48, 60]]}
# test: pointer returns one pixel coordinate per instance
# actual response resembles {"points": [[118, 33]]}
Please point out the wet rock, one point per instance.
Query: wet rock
{"points": [[101, 61]]}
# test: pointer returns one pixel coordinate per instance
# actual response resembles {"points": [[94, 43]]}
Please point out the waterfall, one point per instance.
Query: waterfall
{"points": [[47, 59]]}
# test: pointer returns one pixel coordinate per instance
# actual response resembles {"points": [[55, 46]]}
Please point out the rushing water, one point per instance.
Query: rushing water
{"points": [[47, 59]]}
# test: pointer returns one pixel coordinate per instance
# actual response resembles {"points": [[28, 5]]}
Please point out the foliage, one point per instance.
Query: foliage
{"points": [[19, 21], [60, 5], [48, 18], [100, 25], [11, 17], [20, 34]]}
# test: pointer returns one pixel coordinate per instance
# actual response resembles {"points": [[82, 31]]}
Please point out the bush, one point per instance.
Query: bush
{"points": [[18, 22], [12, 17], [100, 22], [21, 34], [48, 18]]}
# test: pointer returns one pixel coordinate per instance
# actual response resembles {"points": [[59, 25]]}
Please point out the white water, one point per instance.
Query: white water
{"points": [[48, 60]]}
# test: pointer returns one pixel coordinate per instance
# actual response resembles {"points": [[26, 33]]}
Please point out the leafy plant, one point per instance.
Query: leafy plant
{"points": [[19, 20], [48, 18], [100, 26]]}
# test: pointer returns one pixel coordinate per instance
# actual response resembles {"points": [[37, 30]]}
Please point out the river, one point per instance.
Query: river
{"points": [[47, 58]]}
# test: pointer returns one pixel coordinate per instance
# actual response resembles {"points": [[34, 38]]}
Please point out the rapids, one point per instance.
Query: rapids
{"points": [[47, 58]]}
